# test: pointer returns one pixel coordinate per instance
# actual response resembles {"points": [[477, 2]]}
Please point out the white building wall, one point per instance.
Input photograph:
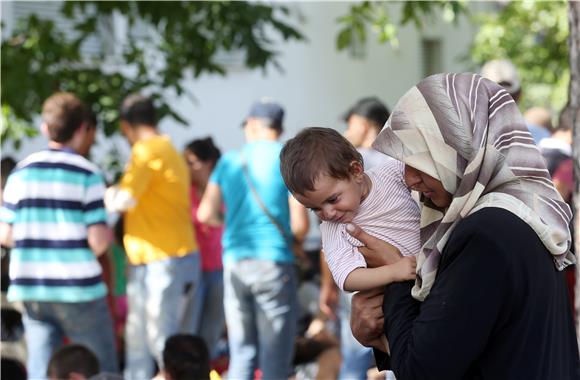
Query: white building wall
{"points": [[318, 83]]}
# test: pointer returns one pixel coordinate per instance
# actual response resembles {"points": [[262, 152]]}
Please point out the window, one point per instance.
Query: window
{"points": [[431, 56]]}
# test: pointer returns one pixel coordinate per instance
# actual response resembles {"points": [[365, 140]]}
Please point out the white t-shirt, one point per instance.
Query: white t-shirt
{"points": [[388, 213], [373, 158]]}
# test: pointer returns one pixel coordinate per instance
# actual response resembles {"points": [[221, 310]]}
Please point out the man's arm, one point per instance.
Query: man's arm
{"points": [[299, 224], [328, 298], [135, 181], [299, 221], [99, 237], [118, 200], [6, 235], [209, 210]]}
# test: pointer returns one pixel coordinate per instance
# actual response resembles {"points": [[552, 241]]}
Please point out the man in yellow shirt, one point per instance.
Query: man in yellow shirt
{"points": [[158, 237]]}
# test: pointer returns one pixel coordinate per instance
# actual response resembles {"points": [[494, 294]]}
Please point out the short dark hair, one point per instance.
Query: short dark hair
{"points": [[370, 108], [205, 150], [13, 369], [92, 119], [63, 113], [185, 357], [314, 152], [565, 122], [72, 358], [138, 109]]}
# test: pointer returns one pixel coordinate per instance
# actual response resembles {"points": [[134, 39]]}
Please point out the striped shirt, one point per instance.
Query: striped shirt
{"points": [[388, 213], [50, 200]]}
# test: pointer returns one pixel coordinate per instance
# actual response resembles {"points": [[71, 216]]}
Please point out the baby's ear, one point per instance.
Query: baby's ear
{"points": [[356, 168]]}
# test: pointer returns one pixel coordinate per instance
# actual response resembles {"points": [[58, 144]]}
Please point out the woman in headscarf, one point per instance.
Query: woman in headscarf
{"points": [[490, 299]]}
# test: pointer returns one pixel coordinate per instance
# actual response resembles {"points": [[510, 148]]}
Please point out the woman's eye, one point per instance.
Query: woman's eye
{"points": [[332, 200]]}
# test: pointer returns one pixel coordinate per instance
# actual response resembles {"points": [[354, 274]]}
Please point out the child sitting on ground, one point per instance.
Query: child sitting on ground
{"points": [[186, 357], [76, 362], [325, 173]]}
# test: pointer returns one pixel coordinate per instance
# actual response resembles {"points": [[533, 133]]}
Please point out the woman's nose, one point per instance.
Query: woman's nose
{"points": [[412, 176]]}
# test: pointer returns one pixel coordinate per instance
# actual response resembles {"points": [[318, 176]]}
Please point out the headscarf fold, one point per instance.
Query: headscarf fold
{"points": [[467, 132]]}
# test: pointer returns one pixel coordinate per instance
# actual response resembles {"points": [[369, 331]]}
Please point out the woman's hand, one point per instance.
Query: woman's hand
{"points": [[367, 318], [375, 251]]}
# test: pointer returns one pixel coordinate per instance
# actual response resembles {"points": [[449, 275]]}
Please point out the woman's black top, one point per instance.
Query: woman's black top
{"points": [[498, 310]]}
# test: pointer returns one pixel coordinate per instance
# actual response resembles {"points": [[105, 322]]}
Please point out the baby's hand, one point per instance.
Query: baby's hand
{"points": [[405, 268]]}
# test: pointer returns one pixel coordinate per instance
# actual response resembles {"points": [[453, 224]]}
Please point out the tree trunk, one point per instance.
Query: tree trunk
{"points": [[574, 102]]}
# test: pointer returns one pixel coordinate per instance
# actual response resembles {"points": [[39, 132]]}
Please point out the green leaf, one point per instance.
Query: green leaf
{"points": [[343, 39]]}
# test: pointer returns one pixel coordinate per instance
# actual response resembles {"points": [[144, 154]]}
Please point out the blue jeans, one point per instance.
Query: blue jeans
{"points": [[157, 294], [86, 323], [356, 358], [260, 304], [208, 318]]}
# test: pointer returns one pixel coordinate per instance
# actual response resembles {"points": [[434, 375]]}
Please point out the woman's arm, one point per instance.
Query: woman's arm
{"points": [[444, 336], [367, 320], [209, 210]]}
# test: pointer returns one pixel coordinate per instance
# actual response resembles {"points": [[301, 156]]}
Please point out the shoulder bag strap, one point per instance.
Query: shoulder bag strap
{"points": [[289, 239]]}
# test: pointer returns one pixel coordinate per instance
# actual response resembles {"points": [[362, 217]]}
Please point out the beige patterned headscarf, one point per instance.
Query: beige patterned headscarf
{"points": [[467, 132]]}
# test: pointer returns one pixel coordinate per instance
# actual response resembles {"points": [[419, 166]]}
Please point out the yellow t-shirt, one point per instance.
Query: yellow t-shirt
{"points": [[159, 226]]}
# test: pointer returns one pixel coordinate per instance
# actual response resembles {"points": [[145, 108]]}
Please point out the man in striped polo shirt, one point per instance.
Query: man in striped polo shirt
{"points": [[54, 218]]}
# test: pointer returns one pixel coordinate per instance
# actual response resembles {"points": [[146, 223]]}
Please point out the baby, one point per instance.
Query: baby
{"points": [[325, 173]]}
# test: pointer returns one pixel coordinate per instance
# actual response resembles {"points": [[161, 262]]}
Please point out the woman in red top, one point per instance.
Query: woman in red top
{"points": [[208, 311]]}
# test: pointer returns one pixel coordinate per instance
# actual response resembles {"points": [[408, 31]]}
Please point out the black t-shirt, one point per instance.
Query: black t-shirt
{"points": [[498, 310]]}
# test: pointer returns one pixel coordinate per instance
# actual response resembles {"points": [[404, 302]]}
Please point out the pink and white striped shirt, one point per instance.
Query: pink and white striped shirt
{"points": [[388, 213]]}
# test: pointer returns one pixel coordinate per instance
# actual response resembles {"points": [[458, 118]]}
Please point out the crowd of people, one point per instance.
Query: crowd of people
{"points": [[448, 217]]}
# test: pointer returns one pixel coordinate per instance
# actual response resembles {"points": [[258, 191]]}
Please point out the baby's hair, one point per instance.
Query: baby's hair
{"points": [[314, 152]]}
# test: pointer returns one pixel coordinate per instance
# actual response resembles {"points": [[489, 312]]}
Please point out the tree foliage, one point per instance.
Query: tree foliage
{"points": [[165, 43], [533, 35], [379, 16]]}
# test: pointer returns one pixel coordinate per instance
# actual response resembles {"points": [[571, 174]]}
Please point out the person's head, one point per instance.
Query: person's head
{"points": [[504, 73], [325, 173], [72, 362], [85, 147], [466, 146], [428, 186], [565, 125], [364, 120], [136, 111], [201, 156], [185, 357], [64, 119], [539, 116], [264, 121], [13, 369]]}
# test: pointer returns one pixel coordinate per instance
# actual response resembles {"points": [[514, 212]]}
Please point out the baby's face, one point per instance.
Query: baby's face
{"points": [[335, 200]]}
